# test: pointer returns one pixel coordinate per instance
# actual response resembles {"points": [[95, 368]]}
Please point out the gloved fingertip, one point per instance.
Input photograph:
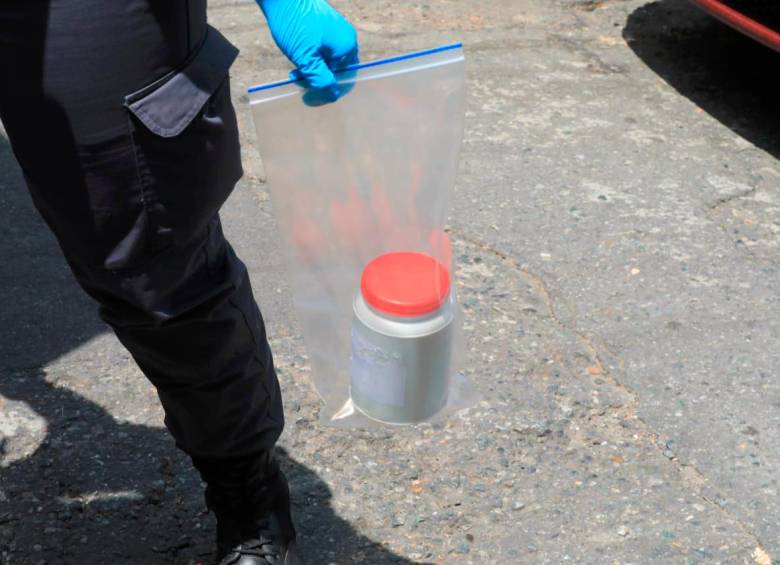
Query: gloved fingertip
{"points": [[316, 73], [333, 92], [322, 96], [322, 80]]}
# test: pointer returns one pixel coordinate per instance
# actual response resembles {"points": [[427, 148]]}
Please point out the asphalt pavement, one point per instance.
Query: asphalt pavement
{"points": [[616, 225]]}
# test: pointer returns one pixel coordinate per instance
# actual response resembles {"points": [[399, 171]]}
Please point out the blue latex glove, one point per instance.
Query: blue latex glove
{"points": [[316, 38]]}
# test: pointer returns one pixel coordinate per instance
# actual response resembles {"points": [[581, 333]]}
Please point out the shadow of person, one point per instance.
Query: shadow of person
{"points": [[731, 77], [101, 491], [96, 489]]}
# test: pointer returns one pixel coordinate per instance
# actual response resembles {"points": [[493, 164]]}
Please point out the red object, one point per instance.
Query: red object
{"points": [[405, 284], [741, 22]]}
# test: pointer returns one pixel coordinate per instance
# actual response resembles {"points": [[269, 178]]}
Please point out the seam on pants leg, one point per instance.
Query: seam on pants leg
{"points": [[256, 343], [139, 176]]}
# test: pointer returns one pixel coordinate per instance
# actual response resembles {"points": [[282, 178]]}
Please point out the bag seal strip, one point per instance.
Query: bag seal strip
{"points": [[360, 66]]}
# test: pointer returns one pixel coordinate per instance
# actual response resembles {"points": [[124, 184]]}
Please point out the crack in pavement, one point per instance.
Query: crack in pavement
{"points": [[579, 48], [723, 200], [711, 214], [691, 476]]}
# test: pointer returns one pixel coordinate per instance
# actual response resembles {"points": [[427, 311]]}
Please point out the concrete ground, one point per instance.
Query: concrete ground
{"points": [[617, 226]]}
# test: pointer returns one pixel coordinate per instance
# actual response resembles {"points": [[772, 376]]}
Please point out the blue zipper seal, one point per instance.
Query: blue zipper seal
{"points": [[359, 66]]}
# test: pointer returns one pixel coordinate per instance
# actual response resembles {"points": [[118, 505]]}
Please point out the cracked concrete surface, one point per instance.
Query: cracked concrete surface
{"points": [[616, 230], [689, 475]]}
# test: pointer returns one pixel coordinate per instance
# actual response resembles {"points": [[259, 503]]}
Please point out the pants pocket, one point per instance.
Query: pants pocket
{"points": [[186, 143]]}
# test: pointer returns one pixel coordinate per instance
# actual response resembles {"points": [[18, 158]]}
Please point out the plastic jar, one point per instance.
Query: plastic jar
{"points": [[402, 335]]}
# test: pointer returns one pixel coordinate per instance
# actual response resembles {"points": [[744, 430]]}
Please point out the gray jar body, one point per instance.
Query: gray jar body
{"points": [[401, 366]]}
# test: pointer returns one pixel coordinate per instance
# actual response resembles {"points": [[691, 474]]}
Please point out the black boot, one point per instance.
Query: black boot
{"points": [[251, 500]]}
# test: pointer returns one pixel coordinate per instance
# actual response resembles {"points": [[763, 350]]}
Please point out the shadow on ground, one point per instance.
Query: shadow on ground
{"points": [[733, 78], [98, 490]]}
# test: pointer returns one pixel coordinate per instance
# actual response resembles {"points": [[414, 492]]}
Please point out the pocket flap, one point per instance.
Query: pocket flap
{"points": [[168, 105]]}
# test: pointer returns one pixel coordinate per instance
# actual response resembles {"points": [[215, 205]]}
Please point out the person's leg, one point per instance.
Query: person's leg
{"points": [[131, 181]]}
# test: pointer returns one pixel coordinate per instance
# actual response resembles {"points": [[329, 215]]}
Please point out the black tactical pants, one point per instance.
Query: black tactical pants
{"points": [[119, 114]]}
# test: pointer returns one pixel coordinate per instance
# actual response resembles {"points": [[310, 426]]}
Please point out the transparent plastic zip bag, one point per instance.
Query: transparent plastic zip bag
{"points": [[360, 190]]}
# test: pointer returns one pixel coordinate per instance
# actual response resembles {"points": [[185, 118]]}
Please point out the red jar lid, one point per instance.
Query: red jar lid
{"points": [[406, 284]]}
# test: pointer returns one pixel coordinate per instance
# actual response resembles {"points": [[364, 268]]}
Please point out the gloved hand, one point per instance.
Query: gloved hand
{"points": [[316, 38]]}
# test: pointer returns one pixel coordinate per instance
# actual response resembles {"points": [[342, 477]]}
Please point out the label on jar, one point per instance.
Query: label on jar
{"points": [[377, 375]]}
